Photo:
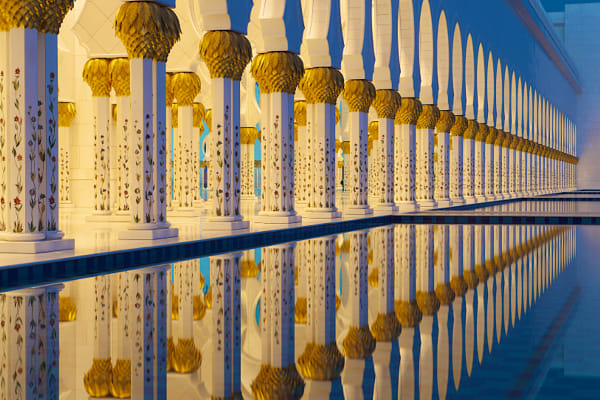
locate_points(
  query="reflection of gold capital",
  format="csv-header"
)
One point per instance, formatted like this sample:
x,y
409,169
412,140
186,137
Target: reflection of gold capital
x,y
499,137
186,86
67,311
208,119
98,379
147,29
208,298
374,277
346,147
186,357
409,111
277,72
169,89
321,362
66,113
373,130
174,306
472,129
482,133
300,310
170,353
119,72
482,273
120,386
445,293
460,126
199,113
199,308
359,94
359,343
278,383
248,136
408,313
386,103
491,137
322,85
471,278
428,117
507,140
386,327
514,142
226,53
300,112
445,123
492,267
248,268
428,302
459,285
95,74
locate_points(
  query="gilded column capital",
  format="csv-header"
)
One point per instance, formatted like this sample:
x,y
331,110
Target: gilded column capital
x,y
66,113
491,137
300,112
359,343
373,130
169,93
277,71
248,135
359,95
445,293
147,29
278,382
428,117
174,116
338,116
460,125
322,85
98,379
499,137
121,379
408,313
322,362
119,72
507,140
208,119
386,327
482,132
53,14
96,75
226,53
346,147
23,14
471,278
514,143
409,111
472,129
445,122
199,114
521,144
386,103
186,86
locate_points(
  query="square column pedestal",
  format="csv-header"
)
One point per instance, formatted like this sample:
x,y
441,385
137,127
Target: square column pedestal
x,y
148,232
34,243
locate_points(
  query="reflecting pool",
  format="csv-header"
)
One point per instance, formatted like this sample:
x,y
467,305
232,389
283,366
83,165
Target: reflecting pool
x,y
392,312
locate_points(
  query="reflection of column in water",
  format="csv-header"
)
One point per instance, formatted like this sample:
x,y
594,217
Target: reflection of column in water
x,y
428,304
482,275
278,377
321,361
446,296
358,343
472,280
386,327
492,268
407,310
226,341
459,285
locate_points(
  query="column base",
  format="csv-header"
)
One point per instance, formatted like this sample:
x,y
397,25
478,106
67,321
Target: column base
x,y
123,212
108,218
198,203
266,218
317,389
101,212
457,201
149,234
225,224
34,247
470,200
321,213
66,204
427,204
185,212
481,198
407,206
358,211
444,203
385,209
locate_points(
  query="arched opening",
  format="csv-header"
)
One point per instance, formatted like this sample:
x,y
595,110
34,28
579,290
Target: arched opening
x,y
525,131
406,46
480,84
499,95
382,43
490,89
426,54
443,62
530,115
357,61
506,101
520,108
513,103
457,71
469,77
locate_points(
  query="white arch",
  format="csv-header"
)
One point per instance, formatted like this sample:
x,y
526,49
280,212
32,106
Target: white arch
x,y
499,99
406,45
490,89
457,71
480,84
531,115
319,47
506,104
519,108
469,77
525,130
356,23
513,104
536,115
426,54
382,43
443,62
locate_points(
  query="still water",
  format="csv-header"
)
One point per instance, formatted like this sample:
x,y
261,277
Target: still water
x,y
394,312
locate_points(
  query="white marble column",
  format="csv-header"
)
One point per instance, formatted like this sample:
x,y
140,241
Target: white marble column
x,y
248,137
506,172
321,87
300,169
456,159
469,161
479,161
425,179
278,376
490,164
186,356
119,70
442,158
277,74
148,146
513,165
198,127
405,157
217,49
66,113
121,373
358,94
